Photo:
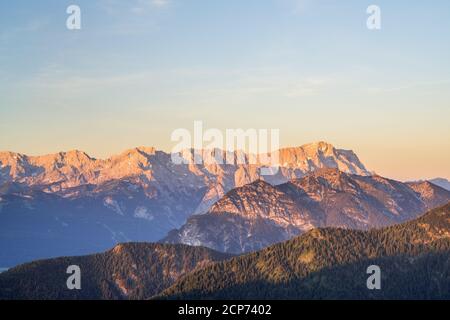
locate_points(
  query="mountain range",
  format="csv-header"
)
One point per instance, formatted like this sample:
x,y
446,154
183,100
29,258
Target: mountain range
x,y
324,263
259,214
71,204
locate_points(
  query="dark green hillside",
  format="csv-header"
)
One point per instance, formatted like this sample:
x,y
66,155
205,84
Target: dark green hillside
x,y
414,258
128,271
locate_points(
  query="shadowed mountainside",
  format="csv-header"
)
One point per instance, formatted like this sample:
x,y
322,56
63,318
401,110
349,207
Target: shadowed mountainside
x,y
128,271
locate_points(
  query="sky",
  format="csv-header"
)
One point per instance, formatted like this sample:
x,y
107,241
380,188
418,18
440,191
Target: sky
x,y
140,69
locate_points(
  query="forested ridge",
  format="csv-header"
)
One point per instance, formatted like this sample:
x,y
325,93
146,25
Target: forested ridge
x,y
128,271
414,258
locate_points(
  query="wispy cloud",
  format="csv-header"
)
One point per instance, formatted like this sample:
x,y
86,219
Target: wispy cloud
x,y
299,6
143,6
411,86
160,3
34,25
60,80
137,7
259,82
192,82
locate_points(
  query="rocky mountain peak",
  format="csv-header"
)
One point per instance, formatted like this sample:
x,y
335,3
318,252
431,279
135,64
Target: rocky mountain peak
x,y
313,156
248,199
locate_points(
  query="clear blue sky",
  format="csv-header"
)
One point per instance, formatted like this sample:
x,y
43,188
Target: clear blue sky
x,y
139,69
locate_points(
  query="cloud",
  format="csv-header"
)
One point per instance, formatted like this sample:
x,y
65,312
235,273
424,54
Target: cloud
x,y
258,82
143,6
160,3
35,25
410,86
298,6
137,7
59,80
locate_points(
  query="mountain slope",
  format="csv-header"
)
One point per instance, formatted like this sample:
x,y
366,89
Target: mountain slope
x,y
431,194
414,258
128,271
36,224
257,215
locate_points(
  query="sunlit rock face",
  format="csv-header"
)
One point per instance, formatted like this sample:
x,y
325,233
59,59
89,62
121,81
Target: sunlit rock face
x,y
155,170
